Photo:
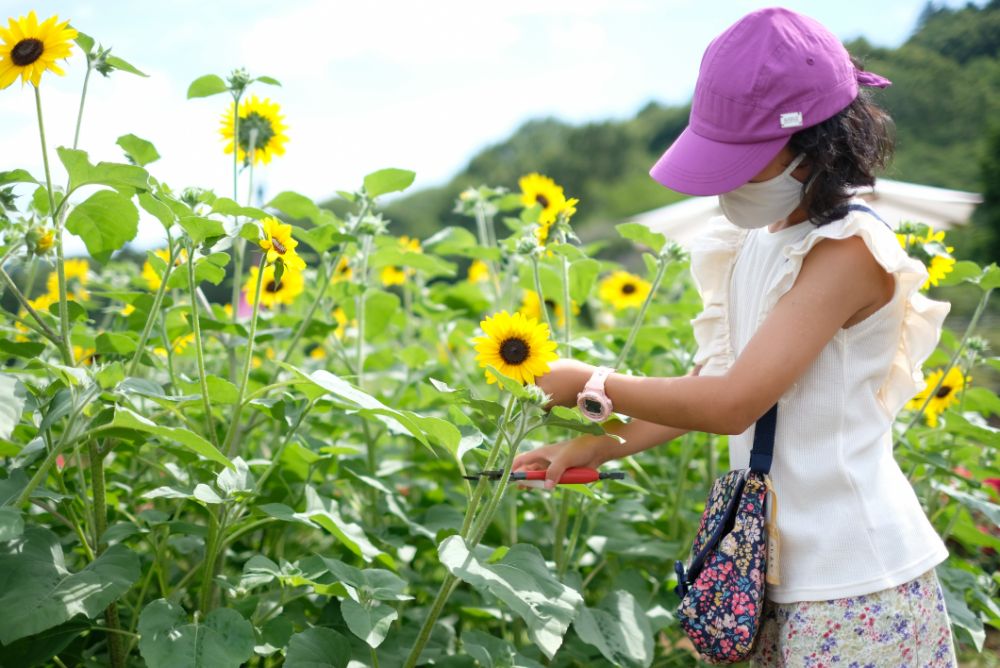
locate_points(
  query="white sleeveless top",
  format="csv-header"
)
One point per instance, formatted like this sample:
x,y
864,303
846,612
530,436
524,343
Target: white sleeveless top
x,y
848,519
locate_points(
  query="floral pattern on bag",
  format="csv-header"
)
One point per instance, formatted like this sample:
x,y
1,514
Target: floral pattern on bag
x,y
721,610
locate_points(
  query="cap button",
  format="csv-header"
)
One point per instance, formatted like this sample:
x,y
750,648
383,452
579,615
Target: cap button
x,y
810,61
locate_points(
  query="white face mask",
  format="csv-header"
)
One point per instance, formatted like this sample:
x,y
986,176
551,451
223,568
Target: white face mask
x,y
759,204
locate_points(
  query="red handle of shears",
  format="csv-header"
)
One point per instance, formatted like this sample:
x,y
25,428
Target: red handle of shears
x,y
571,476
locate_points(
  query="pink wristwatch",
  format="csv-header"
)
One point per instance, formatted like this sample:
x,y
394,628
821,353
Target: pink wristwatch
x,y
593,402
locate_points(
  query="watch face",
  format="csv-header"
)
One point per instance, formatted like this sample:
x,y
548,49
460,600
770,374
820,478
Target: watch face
x,y
592,406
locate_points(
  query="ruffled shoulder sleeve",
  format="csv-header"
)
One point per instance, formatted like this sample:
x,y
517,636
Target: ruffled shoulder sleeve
x,y
922,318
712,257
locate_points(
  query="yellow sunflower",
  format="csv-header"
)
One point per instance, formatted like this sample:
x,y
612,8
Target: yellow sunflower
x,y
30,48
84,355
341,317
77,275
946,395
291,286
394,275
263,116
343,272
939,267
479,272
531,307
278,242
151,275
541,190
42,302
515,346
624,290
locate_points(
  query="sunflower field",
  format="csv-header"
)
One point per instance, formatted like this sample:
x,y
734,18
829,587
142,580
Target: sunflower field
x,y
252,449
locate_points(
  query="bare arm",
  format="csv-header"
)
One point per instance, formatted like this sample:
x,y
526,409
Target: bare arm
x,y
839,283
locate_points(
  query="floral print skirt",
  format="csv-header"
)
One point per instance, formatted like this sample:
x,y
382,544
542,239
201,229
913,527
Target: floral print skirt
x,y
906,625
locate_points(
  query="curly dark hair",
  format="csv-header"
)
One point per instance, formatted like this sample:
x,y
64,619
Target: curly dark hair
x,y
845,151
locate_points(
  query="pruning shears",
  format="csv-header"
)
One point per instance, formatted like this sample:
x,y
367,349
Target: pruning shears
x,y
571,476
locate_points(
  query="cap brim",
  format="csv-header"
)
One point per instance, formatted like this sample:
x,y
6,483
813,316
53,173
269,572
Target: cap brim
x,y
698,166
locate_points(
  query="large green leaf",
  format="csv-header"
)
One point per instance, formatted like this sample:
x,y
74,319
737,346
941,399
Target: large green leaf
x,y
371,622
168,640
37,649
388,181
138,150
374,583
493,652
105,221
204,86
116,175
11,523
318,648
522,581
127,419
12,397
37,591
300,207
642,234
619,629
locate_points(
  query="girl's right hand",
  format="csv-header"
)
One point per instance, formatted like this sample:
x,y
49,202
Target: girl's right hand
x,y
586,450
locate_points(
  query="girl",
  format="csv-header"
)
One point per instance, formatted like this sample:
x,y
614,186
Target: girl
x,y
810,302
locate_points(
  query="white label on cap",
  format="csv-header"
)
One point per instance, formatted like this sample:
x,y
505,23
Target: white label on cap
x,y
791,120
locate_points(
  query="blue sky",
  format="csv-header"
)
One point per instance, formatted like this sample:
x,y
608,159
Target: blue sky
x,y
420,85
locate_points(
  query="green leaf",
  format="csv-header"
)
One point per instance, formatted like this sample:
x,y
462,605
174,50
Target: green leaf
x,y
641,234
158,209
296,206
326,514
954,584
451,241
168,640
388,181
984,506
85,41
962,271
37,649
235,480
35,583
371,624
138,149
113,174
380,307
16,176
219,389
396,257
270,81
990,278
493,652
619,629
207,85
200,229
318,648
105,221
11,523
228,207
12,397
582,275
127,419
322,237
375,583
123,65
523,582
113,343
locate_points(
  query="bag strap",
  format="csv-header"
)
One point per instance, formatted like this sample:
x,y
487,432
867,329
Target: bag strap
x,y
763,442
870,211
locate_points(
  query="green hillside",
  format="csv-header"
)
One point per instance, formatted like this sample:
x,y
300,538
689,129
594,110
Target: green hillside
x,y
946,92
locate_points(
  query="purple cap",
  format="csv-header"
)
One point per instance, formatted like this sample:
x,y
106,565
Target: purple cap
x,y
771,74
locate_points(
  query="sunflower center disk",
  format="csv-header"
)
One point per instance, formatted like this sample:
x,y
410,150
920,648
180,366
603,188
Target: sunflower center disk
x,y
543,200
943,392
27,51
514,351
628,289
255,123
271,286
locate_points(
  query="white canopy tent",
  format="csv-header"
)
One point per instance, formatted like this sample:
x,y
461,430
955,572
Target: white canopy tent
x,y
895,201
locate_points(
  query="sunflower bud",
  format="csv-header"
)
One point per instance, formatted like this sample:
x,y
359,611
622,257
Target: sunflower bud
x,y
528,245
977,346
239,79
673,252
537,395
40,240
371,224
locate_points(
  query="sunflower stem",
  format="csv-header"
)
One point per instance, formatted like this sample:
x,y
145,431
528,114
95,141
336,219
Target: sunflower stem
x,y
973,323
67,349
567,306
240,243
488,240
366,247
660,270
538,289
155,310
200,351
83,98
247,362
